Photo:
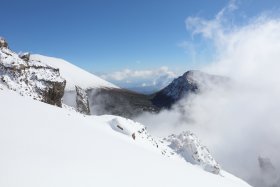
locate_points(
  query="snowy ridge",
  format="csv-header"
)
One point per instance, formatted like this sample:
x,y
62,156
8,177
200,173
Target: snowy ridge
x,y
73,74
71,149
181,85
185,145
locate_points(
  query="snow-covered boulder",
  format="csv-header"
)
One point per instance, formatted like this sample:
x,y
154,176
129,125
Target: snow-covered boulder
x,y
82,101
126,126
190,148
30,77
139,133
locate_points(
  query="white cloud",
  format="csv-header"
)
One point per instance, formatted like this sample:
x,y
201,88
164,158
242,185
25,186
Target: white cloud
x,y
140,74
156,78
241,122
211,28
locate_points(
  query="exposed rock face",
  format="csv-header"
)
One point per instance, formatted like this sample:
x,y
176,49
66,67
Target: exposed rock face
x,y
30,78
82,101
190,82
54,92
190,148
119,102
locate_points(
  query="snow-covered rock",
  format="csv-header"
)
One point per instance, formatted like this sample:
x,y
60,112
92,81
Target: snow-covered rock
x,y
82,101
190,148
139,133
73,74
185,145
30,77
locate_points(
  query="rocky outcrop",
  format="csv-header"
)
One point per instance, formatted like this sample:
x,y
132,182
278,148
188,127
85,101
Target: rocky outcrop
x,y
3,43
190,148
82,101
30,78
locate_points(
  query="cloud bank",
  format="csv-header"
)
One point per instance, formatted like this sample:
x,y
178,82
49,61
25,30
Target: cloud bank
x,y
152,79
239,122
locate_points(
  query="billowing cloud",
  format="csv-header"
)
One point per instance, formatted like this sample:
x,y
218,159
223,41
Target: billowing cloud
x,y
240,121
128,74
153,78
214,27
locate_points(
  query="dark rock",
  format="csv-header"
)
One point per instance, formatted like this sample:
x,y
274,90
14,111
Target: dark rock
x,y
54,92
133,136
82,101
3,43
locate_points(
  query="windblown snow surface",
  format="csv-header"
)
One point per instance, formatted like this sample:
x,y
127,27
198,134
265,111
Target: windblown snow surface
x,y
73,74
43,145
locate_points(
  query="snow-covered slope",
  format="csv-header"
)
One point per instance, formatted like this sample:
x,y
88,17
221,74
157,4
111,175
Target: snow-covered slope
x,y
73,74
42,145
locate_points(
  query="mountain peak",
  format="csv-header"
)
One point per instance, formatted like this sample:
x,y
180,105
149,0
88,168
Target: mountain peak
x,y
190,82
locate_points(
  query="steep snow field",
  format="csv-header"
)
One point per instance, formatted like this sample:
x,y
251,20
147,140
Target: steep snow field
x,y
73,74
42,146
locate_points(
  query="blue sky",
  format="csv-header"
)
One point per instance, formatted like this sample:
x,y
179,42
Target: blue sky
x,y
110,35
